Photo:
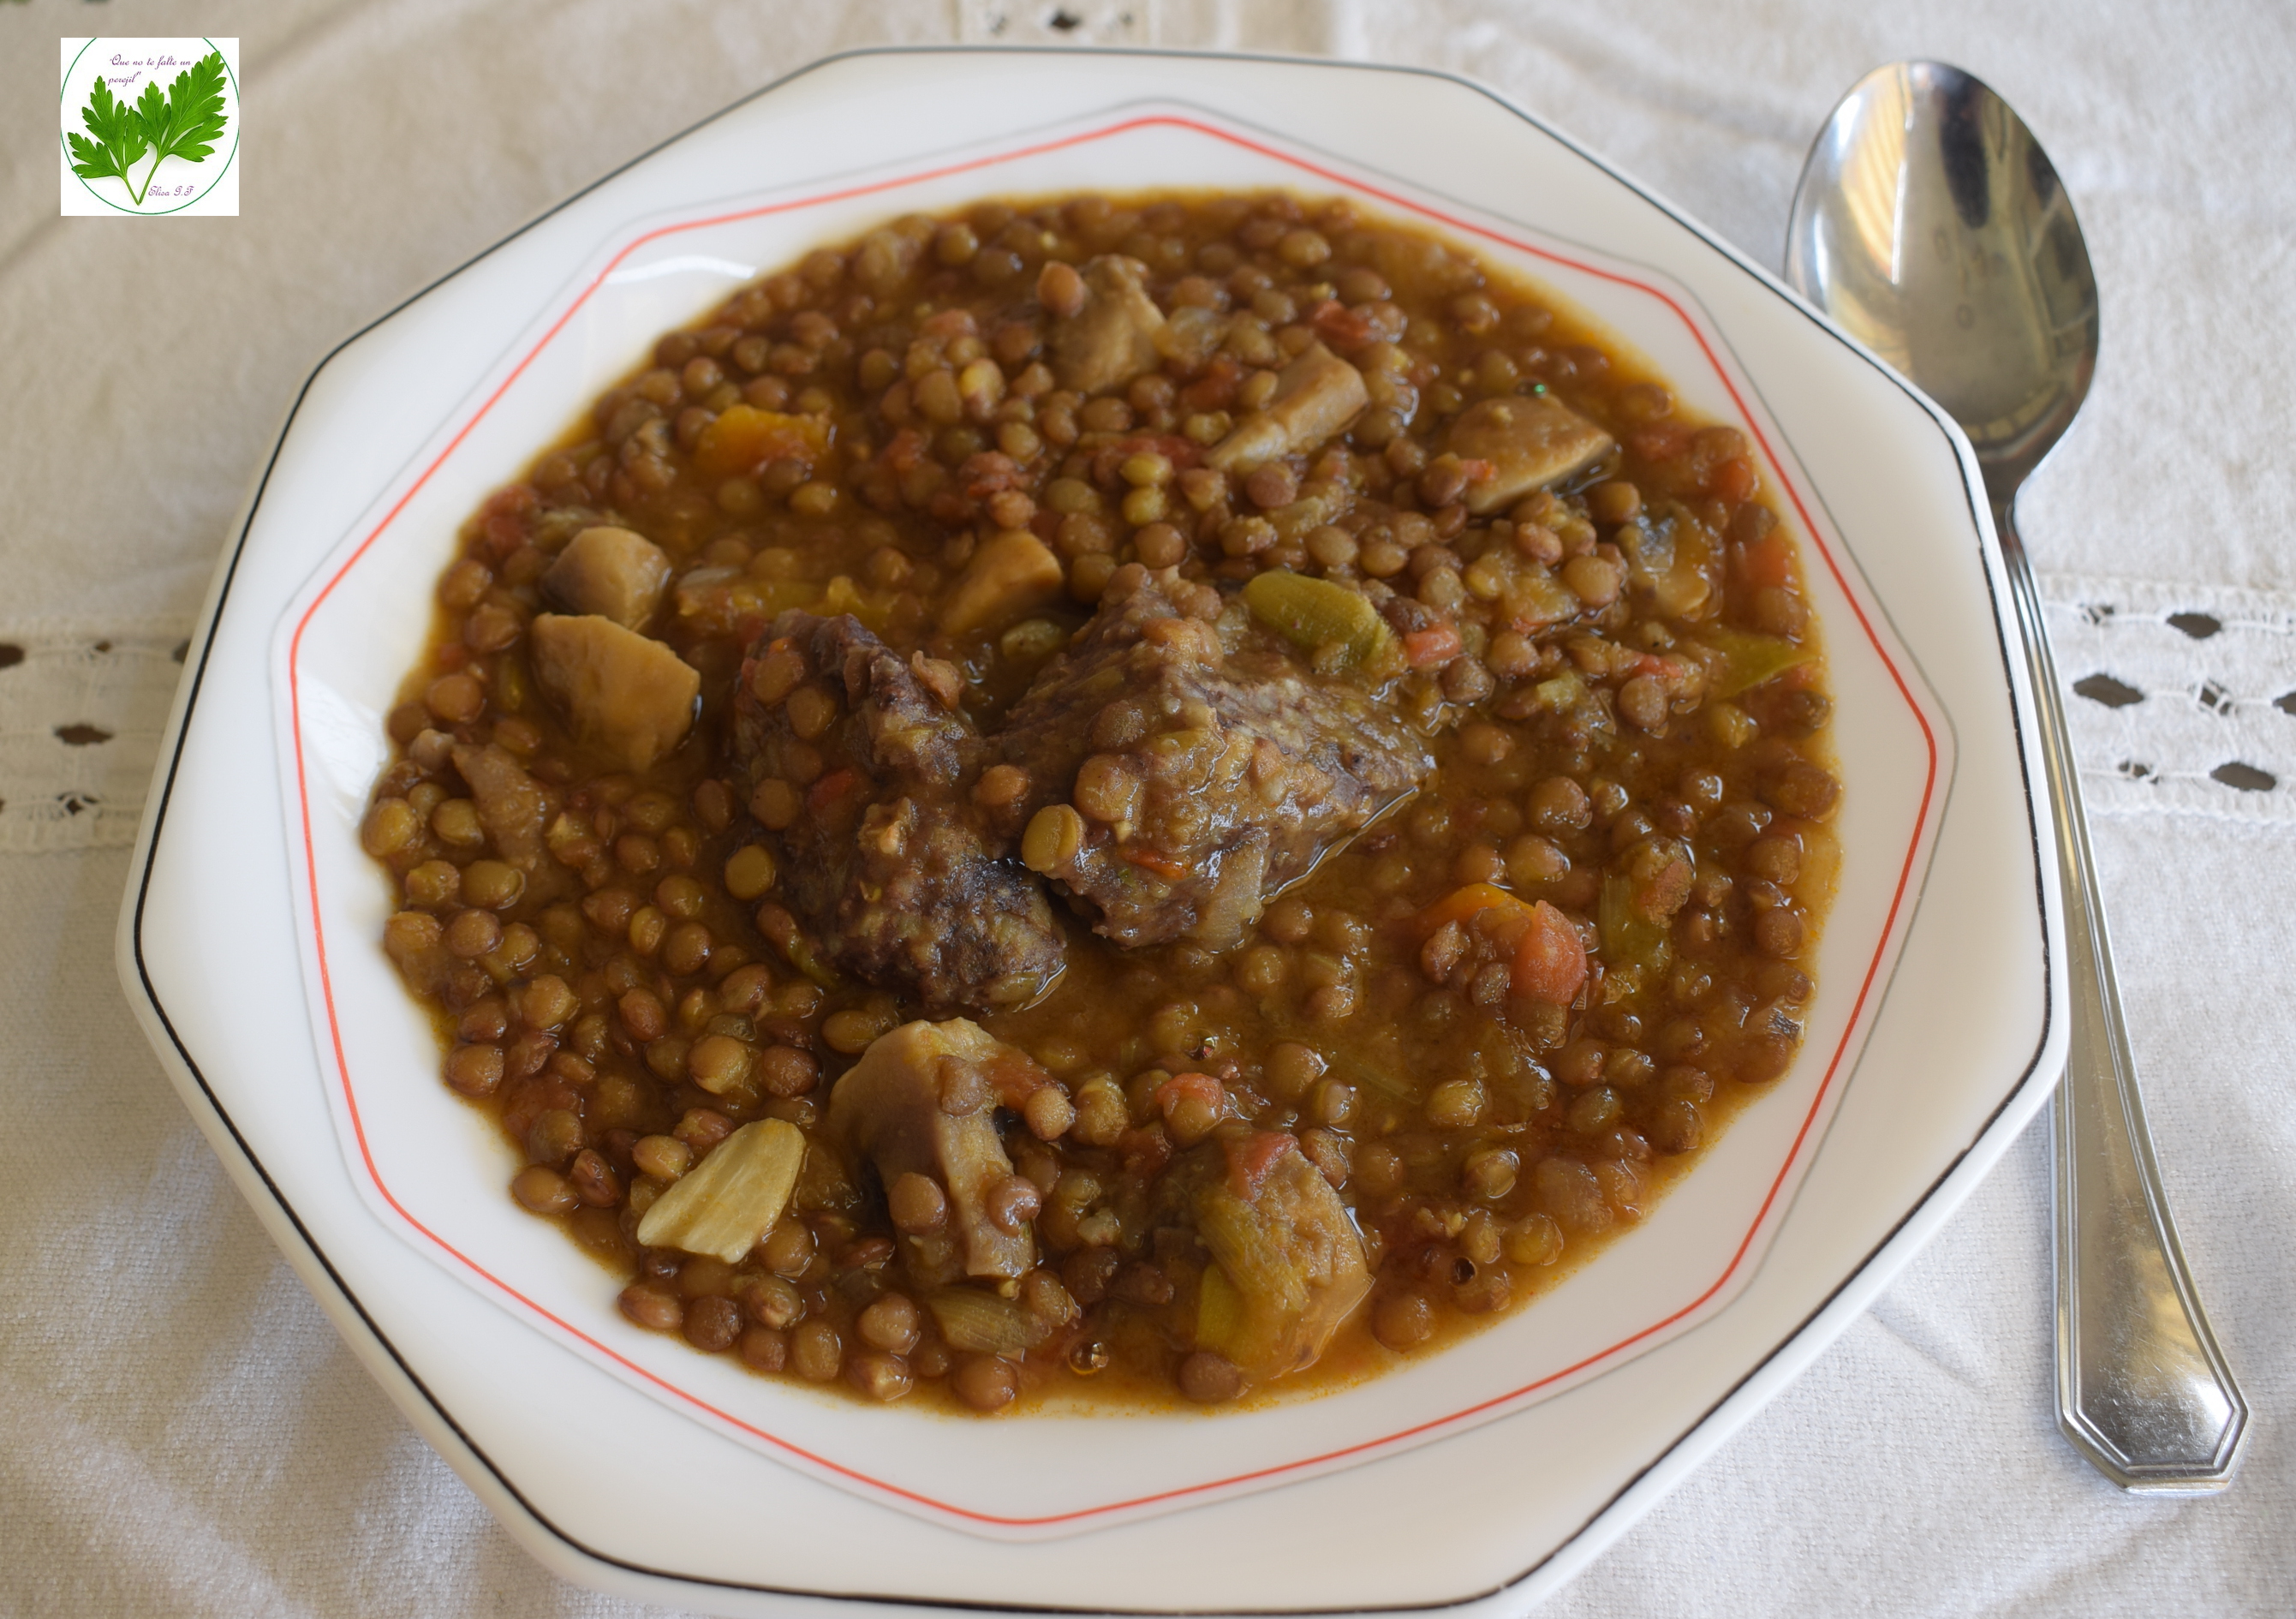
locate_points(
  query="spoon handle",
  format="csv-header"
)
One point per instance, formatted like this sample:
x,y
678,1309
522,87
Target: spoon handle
x,y
2143,1391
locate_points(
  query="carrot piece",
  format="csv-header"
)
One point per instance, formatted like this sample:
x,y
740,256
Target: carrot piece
x,y
1732,481
1144,1152
515,500
1461,904
1768,560
1202,1086
1662,442
1149,859
1429,648
1014,1076
1341,326
1550,963
1216,389
744,438
824,794
1191,1104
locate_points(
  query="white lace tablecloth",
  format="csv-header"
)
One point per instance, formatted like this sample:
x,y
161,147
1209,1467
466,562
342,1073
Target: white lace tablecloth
x,y
182,1432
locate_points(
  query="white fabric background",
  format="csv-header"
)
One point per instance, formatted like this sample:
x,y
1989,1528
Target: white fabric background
x,y
180,1431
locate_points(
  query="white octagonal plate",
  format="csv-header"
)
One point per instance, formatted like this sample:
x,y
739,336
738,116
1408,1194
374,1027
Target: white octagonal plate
x,y
1500,1463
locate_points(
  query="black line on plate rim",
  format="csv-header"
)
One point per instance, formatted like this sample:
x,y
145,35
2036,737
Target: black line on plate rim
x,y
199,673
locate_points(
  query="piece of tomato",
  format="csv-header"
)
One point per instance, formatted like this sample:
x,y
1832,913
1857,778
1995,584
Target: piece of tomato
x,y
1434,646
1550,961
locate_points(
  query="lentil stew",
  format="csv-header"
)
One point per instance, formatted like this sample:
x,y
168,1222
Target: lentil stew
x,y
1197,793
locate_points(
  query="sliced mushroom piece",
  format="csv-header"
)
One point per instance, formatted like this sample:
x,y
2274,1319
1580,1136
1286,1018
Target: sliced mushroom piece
x,y
1530,441
890,1108
1113,339
611,573
630,697
1317,396
512,805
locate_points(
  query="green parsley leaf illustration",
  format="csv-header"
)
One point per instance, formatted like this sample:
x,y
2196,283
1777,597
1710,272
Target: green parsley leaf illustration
x,y
189,121
119,142
185,122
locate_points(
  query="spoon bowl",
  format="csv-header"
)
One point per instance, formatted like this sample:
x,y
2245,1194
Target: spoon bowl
x,y
1932,227
1958,261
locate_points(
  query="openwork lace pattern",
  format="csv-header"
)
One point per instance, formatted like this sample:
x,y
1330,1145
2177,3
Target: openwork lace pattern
x,y
2180,697
81,708
1057,21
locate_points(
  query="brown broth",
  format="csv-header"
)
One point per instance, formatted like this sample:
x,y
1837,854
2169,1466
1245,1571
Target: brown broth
x,y
1437,1103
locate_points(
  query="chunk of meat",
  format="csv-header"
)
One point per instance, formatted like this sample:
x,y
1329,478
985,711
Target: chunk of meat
x,y
1010,576
1288,1265
884,857
1317,396
1176,782
512,805
1530,441
627,696
1113,339
895,1108
611,573
1192,335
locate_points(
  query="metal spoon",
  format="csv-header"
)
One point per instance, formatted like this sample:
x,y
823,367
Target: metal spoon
x,y
1930,224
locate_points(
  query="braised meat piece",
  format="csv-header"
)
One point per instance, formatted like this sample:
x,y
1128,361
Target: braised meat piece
x,y
1177,777
630,697
1010,577
865,775
1109,336
612,573
512,805
1528,444
1316,397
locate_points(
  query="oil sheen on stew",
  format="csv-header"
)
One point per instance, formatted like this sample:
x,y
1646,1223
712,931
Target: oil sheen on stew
x,y
1175,797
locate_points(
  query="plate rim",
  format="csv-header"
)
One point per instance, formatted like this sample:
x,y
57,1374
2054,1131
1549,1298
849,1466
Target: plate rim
x,y
565,1553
